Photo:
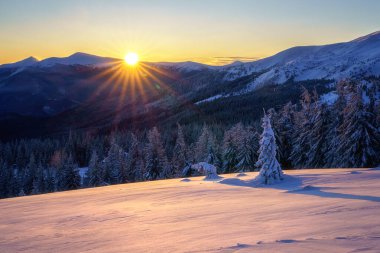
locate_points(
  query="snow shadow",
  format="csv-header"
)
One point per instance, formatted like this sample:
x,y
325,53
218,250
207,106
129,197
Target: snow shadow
x,y
318,191
296,185
288,183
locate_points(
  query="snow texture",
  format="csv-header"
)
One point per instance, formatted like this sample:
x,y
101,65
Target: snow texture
x,y
329,98
320,210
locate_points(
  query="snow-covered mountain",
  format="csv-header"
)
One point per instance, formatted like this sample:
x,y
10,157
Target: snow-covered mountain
x,y
83,85
24,63
359,57
74,59
187,66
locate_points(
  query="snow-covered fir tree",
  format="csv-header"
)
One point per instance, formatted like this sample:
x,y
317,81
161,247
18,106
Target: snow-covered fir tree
x,y
270,169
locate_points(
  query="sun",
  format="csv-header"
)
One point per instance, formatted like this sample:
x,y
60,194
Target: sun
x,y
131,59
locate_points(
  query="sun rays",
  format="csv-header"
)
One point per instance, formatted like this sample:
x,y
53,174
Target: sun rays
x,y
131,87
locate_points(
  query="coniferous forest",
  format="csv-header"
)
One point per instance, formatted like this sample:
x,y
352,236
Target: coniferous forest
x,y
311,133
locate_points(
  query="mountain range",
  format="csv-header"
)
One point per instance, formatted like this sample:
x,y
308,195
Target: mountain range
x,y
88,92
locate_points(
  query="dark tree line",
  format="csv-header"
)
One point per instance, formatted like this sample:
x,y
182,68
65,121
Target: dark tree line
x,y
309,134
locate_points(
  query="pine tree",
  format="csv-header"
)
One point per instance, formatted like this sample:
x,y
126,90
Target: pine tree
x,y
72,175
39,181
135,164
247,156
303,125
230,156
233,146
156,161
180,154
316,155
95,171
29,175
270,169
69,178
283,127
336,120
114,165
205,143
358,137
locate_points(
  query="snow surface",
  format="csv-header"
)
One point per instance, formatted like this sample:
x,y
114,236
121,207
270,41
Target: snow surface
x,y
210,99
321,210
329,98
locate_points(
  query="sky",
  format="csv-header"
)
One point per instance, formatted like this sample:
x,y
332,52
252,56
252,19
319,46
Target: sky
x,y
209,31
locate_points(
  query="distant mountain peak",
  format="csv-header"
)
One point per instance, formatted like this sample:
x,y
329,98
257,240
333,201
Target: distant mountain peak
x,y
374,35
23,63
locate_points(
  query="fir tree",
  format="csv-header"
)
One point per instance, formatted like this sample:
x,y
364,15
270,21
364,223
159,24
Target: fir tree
x,y
303,124
156,161
95,171
135,165
270,169
358,137
316,155
180,152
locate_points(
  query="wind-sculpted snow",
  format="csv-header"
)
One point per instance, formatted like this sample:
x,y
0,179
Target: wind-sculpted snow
x,y
321,210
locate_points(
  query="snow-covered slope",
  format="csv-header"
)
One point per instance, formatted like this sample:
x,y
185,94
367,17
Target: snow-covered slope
x,y
336,61
327,210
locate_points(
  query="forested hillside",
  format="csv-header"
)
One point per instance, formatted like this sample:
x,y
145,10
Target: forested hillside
x,y
341,129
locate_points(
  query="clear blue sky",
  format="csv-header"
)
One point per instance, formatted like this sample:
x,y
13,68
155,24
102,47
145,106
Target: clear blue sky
x,y
209,31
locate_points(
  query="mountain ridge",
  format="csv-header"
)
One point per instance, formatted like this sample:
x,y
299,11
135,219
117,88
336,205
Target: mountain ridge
x,y
96,94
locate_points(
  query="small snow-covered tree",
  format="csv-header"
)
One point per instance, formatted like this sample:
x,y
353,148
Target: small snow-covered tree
x,y
270,169
209,170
